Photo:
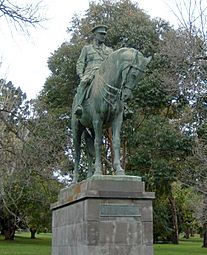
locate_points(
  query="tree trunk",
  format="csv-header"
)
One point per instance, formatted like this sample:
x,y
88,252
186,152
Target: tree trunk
x,y
205,239
192,232
175,237
187,232
108,134
205,235
9,234
9,229
205,221
124,154
33,232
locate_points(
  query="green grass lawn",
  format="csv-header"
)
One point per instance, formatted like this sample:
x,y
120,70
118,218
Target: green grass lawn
x,y
193,246
23,245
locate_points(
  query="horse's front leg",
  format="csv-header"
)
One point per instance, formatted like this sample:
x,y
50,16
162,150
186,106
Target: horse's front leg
x,y
116,129
97,125
77,133
77,160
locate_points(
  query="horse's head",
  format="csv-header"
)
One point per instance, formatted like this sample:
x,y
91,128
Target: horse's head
x,y
132,73
118,75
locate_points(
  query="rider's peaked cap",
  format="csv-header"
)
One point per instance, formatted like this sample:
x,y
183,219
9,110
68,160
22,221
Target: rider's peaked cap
x,y
100,29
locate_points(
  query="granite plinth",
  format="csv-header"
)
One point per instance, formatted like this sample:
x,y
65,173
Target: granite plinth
x,y
110,215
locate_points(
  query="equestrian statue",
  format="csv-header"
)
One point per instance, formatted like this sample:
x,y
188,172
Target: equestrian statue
x,y
107,81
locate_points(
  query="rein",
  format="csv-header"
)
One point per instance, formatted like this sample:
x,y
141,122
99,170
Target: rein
x,y
124,82
107,88
117,91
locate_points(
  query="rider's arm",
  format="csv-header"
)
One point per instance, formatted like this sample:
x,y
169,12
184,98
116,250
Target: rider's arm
x,y
81,63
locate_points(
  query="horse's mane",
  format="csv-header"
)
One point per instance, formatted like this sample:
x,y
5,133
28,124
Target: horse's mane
x,y
121,57
117,60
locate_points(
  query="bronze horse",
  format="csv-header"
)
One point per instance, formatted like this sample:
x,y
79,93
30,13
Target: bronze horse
x,y
103,107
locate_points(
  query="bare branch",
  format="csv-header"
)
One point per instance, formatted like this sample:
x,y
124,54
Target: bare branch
x,y
191,15
21,16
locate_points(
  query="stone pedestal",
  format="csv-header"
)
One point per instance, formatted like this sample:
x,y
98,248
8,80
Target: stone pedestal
x,y
104,215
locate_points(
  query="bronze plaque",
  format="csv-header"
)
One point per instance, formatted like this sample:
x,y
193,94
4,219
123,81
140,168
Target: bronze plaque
x,y
114,210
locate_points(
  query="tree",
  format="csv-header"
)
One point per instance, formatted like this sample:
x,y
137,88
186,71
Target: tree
x,y
13,133
192,19
191,15
188,204
28,163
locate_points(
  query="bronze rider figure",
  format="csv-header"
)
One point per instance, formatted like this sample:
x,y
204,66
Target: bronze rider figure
x,y
88,63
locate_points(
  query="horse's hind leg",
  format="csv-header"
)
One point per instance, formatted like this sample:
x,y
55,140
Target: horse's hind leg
x,y
89,139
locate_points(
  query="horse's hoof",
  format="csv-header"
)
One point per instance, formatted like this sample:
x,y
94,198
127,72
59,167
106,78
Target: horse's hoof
x,y
89,175
97,173
120,172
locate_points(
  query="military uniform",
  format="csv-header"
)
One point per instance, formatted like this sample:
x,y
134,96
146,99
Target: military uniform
x,y
88,63
91,58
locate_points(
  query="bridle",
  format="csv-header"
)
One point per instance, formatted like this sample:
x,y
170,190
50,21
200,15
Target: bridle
x,y
117,91
130,66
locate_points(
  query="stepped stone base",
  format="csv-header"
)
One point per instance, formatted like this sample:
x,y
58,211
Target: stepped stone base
x,y
103,215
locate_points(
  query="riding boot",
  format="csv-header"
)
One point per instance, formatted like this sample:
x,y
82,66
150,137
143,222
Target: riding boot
x,y
80,95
